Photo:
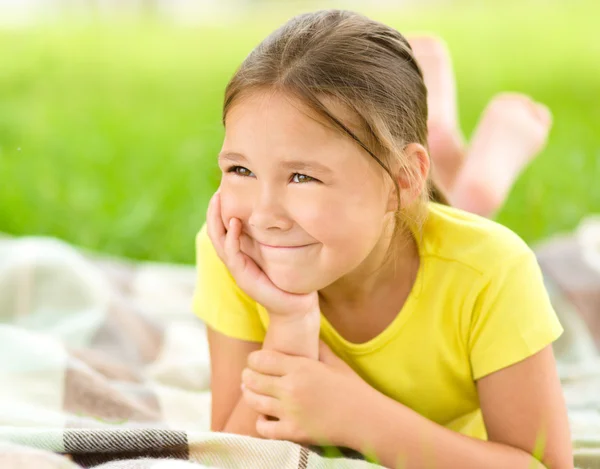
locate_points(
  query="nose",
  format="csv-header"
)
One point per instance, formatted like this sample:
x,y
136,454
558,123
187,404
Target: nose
x,y
268,212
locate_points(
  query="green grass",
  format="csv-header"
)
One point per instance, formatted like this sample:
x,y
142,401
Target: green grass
x,y
109,134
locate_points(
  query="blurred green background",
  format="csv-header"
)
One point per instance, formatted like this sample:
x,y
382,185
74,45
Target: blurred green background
x,y
109,131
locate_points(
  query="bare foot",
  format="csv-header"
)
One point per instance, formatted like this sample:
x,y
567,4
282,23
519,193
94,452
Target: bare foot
x,y
511,132
446,143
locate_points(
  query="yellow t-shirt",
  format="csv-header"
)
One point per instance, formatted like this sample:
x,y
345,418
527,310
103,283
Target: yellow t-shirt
x,y
478,305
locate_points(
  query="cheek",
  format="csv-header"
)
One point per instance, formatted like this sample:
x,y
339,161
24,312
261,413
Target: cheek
x,y
350,220
348,227
234,204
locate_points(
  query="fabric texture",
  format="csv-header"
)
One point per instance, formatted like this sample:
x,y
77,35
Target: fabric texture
x,y
103,359
478,305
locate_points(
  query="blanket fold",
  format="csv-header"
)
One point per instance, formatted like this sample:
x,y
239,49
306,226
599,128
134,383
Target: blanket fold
x,y
102,360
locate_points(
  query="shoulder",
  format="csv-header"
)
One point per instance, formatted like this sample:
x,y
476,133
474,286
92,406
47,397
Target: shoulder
x,y
474,242
202,240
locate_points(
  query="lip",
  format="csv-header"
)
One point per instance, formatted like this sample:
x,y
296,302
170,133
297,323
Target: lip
x,y
283,247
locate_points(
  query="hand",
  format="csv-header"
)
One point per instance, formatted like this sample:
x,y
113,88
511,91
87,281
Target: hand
x,y
247,274
314,401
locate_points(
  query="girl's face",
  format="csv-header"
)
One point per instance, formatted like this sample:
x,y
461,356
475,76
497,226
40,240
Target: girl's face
x,y
312,204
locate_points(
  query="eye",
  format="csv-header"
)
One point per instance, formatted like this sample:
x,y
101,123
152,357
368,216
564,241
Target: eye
x,y
302,178
296,177
239,170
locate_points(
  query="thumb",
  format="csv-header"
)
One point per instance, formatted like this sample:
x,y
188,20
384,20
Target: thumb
x,y
327,356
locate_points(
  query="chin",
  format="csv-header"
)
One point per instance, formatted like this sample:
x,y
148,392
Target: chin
x,y
293,282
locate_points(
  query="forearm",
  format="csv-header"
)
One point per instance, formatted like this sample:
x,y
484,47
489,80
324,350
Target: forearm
x,y
399,437
242,420
294,335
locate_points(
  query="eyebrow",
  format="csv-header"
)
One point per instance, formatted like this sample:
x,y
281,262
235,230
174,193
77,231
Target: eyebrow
x,y
288,164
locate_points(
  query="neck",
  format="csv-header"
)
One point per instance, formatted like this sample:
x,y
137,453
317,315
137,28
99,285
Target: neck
x,y
374,277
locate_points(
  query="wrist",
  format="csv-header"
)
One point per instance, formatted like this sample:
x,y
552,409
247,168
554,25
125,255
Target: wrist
x,y
310,317
294,334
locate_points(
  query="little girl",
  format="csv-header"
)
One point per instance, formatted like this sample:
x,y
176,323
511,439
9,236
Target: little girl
x,y
435,327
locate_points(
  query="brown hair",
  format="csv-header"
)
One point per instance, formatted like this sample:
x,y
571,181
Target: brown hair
x,y
365,65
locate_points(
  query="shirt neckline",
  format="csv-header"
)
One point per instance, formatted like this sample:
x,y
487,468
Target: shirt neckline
x,y
327,330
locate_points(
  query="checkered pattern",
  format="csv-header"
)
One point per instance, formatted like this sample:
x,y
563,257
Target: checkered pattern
x,y
103,361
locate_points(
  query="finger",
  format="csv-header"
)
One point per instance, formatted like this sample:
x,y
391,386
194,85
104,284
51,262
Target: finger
x,y
271,429
282,429
270,362
543,113
235,258
215,228
247,274
213,216
262,404
241,266
260,383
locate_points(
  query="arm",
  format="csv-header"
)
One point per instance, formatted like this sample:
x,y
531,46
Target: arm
x,y
294,335
227,360
294,318
523,410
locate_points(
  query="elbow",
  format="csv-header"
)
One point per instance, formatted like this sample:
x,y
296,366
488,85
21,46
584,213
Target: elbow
x,y
546,465
554,460
553,463
218,424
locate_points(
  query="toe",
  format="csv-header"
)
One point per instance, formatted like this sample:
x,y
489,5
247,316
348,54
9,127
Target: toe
x,y
543,114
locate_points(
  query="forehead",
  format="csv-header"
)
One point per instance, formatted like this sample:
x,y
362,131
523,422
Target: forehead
x,y
275,120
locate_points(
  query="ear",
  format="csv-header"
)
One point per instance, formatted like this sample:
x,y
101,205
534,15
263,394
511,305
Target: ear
x,y
411,179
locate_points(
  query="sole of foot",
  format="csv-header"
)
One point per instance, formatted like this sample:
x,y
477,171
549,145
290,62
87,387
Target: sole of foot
x,y
513,129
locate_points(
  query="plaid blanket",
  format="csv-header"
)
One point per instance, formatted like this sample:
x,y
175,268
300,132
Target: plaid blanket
x,y
103,365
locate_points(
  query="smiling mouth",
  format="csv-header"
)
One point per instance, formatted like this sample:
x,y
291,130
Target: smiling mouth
x,y
283,247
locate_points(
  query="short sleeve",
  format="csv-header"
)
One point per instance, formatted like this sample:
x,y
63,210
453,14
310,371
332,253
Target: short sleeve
x,y
512,318
218,301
